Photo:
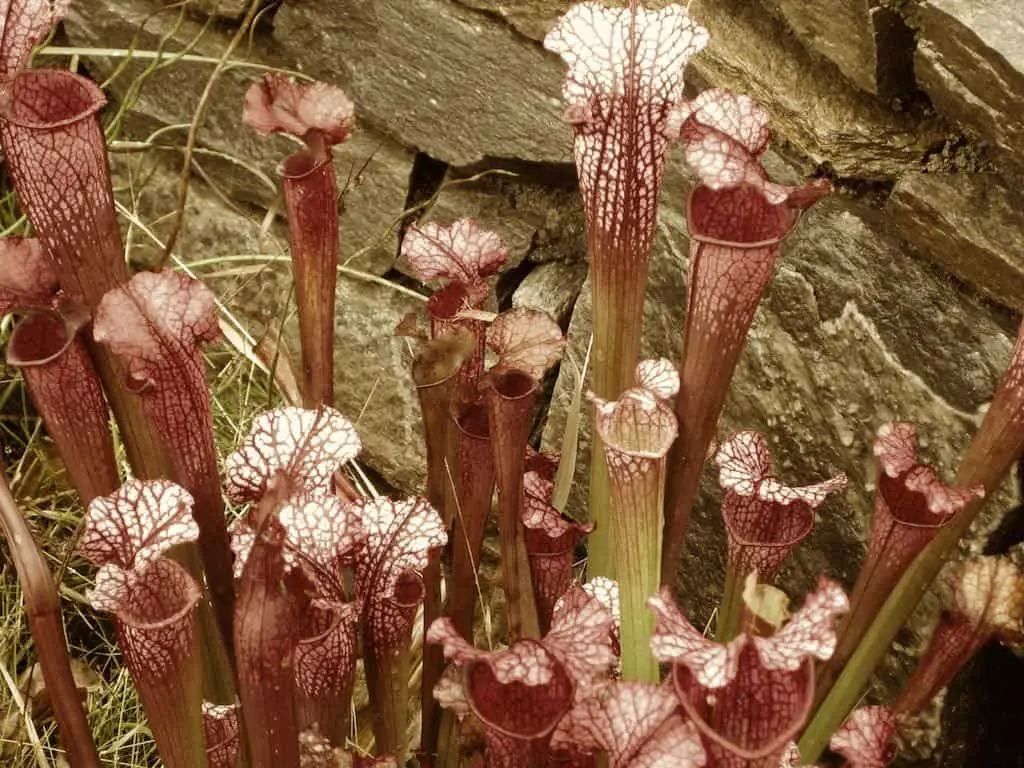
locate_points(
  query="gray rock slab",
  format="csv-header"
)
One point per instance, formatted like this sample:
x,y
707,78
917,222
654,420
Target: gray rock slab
x,y
970,61
870,46
534,18
552,287
853,332
815,108
161,104
971,224
456,83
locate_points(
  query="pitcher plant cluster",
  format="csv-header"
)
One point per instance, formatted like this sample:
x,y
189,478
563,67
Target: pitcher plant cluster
x,y
253,594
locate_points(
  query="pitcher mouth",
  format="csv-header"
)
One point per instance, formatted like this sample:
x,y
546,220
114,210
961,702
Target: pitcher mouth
x,y
70,98
765,223
39,338
775,744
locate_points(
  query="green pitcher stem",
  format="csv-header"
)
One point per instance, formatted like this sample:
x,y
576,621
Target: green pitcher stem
x,y
730,612
875,644
618,325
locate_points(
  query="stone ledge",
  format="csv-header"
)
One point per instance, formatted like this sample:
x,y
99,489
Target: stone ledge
x,y
455,83
970,61
971,224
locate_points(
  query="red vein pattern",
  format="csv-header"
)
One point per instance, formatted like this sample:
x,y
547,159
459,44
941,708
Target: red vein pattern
x,y
625,72
68,394
325,659
311,199
463,256
519,694
267,629
156,323
551,542
865,739
220,726
399,538
279,104
737,220
446,310
638,724
474,490
156,632
23,25
28,276
637,431
764,518
526,340
988,602
659,377
56,153
322,116
751,696
912,505
307,446
136,524
606,592
461,253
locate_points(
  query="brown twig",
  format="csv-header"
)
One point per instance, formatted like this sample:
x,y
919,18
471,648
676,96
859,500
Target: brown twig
x,y
42,604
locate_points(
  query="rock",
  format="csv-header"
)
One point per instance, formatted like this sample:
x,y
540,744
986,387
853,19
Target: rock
x,y
969,223
813,107
534,18
870,46
552,287
222,9
242,163
458,84
853,332
970,61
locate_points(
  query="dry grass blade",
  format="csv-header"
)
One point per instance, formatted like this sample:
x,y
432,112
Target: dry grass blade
x,y
570,438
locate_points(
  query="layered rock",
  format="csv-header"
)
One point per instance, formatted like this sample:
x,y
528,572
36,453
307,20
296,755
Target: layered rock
x,y
437,76
971,224
970,61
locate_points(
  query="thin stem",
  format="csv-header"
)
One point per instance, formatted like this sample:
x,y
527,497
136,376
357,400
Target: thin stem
x,y
638,563
434,399
510,402
387,678
618,324
876,642
471,488
42,605
311,194
730,611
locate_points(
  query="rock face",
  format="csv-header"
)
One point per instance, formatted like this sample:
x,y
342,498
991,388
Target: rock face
x,y
870,45
243,165
971,224
425,70
825,116
970,60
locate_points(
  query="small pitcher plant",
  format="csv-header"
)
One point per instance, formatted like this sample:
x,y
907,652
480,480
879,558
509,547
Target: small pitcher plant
x,y
257,597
